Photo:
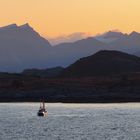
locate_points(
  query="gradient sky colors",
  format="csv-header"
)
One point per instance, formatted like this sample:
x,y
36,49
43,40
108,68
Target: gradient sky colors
x,y
57,17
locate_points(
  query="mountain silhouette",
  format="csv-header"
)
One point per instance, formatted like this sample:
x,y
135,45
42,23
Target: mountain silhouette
x,y
21,47
129,43
109,36
67,53
50,72
104,63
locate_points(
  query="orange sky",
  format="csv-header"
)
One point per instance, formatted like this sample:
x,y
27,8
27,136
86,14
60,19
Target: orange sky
x,y
57,17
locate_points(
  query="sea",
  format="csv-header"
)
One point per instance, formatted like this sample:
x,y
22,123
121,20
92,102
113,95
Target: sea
x,y
19,121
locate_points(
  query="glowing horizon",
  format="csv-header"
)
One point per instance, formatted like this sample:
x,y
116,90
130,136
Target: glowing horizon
x,y
53,18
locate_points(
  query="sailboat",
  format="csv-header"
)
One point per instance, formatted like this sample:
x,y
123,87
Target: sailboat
x,y
42,110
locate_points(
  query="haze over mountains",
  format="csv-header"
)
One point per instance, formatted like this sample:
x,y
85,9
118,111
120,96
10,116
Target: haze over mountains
x,y
110,36
21,47
68,38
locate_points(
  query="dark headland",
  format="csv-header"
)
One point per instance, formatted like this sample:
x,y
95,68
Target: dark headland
x,y
105,77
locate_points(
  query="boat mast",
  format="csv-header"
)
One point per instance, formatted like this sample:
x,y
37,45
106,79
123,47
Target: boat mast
x,y
43,105
40,104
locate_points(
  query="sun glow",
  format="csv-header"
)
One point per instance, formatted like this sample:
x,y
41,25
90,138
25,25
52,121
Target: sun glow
x,y
56,17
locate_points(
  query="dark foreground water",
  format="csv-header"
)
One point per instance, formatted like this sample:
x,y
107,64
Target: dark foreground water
x,y
70,122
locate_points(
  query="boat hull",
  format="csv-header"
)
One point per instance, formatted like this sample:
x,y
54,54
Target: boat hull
x,y
42,114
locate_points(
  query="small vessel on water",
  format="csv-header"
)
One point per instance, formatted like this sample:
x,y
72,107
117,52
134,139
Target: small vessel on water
x,y
42,110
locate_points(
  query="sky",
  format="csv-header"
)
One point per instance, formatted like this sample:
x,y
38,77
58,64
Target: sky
x,y
53,18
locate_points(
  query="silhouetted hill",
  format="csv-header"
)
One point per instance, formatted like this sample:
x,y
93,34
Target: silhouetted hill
x,y
104,63
50,72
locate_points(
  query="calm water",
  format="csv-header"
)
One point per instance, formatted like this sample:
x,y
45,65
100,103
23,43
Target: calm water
x,y
70,122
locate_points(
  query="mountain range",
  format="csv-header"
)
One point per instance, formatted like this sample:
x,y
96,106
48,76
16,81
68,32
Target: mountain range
x,y
21,47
